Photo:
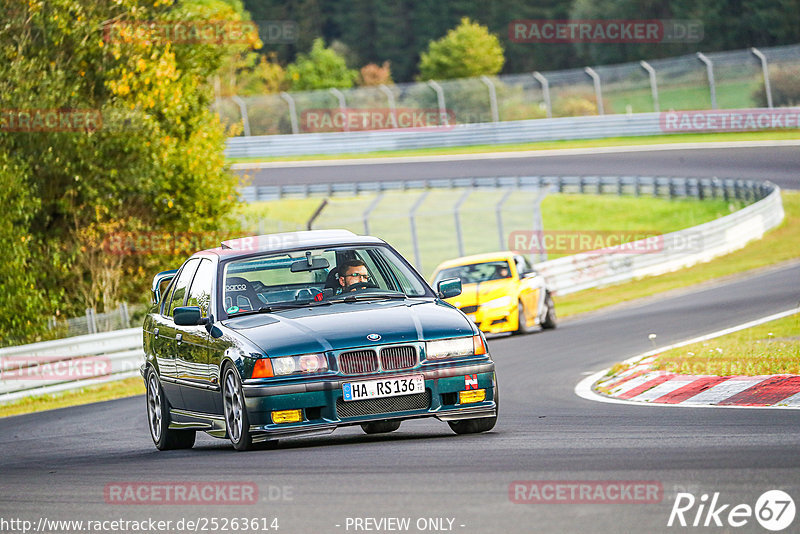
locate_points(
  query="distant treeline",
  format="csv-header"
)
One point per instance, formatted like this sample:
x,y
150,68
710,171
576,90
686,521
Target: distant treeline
x,y
399,30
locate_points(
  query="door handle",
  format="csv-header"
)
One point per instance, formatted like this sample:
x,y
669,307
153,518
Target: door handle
x,y
179,338
155,333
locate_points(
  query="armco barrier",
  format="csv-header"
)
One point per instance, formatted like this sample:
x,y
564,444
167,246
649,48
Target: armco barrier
x,y
123,348
510,132
525,131
677,250
120,353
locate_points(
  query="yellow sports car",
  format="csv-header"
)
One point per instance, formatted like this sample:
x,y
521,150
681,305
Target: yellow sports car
x,y
501,292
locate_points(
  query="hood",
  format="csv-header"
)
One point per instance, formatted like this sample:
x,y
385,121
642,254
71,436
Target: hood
x,y
346,325
474,294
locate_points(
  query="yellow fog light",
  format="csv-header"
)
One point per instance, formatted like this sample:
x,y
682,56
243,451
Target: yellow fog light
x,y
475,395
287,416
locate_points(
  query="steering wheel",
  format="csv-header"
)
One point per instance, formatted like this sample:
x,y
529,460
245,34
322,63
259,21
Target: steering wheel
x,y
360,286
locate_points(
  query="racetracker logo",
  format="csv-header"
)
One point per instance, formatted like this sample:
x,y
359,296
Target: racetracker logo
x,y
55,368
774,510
575,242
605,31
161,493
50,120
730,121
361,119
585,492
205,32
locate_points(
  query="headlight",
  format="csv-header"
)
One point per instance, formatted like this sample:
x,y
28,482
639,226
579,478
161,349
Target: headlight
x,y
502,302
300,365
454,348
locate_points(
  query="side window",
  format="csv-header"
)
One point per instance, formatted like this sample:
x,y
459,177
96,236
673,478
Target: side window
x,y
184,277
200,292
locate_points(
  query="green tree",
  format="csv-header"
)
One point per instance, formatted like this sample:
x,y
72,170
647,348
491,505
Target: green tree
x,y
466,51
321,68
151,160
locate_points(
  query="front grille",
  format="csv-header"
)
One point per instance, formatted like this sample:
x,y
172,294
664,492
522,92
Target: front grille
x,y
469,309
358,361
417,401
403,357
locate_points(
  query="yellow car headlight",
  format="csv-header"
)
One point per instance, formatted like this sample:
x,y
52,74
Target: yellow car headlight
x,y
502,302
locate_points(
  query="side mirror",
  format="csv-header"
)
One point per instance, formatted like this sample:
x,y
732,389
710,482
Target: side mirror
x,y
449,288
188,316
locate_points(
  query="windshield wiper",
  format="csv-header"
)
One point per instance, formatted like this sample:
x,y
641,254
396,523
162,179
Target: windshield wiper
x,y
371,296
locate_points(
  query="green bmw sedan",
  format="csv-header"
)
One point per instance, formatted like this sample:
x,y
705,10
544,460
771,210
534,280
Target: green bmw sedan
x,y
301,333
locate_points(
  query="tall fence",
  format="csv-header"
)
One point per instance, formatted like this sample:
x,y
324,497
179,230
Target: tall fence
x,y
430,221
93,322
76,362
738,79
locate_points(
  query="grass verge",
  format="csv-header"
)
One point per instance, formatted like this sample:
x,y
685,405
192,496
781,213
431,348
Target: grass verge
x,y
771,135
769,349
101,392
777,246
436,226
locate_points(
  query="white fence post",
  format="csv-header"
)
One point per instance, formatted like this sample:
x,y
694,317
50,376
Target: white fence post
x,y
712,86
545,92
765,70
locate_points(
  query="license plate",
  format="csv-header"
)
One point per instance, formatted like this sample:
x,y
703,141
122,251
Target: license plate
x,y
383,387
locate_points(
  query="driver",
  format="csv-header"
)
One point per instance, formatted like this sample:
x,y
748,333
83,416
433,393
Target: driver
x,y
355,272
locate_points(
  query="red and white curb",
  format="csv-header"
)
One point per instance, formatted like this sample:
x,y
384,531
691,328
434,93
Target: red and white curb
x,y
641,385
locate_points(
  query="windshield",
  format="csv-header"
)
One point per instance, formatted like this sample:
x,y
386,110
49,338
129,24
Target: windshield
x,y
317,276
474,273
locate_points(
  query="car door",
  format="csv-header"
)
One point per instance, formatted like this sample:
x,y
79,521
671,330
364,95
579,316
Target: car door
x,y
169,334
197,379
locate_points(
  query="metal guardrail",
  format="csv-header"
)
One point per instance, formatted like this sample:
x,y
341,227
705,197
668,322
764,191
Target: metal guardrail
x,y
68,364
657,186
523,131
673,251
509,132
122,353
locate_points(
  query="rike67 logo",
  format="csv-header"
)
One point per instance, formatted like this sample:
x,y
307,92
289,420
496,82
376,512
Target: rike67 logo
x,y
774,510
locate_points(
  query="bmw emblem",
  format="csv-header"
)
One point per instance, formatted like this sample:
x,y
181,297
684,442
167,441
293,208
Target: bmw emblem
x,y
374,337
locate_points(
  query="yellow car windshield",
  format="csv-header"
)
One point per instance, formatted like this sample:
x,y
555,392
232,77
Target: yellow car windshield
x,y
476,272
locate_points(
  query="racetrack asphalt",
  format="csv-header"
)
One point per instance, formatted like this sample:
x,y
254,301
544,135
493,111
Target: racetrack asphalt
x,y
56,464
778,164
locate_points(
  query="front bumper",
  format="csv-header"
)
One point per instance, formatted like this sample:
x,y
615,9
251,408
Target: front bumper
x,y
495,320
322,404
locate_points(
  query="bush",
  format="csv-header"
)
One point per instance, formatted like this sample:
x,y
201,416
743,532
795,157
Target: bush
x,y
785,85
466,51
321,68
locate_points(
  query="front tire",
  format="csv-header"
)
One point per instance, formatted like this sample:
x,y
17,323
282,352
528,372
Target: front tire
x,y
380,427
550,317
158,419
236,420
522,327
475,426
